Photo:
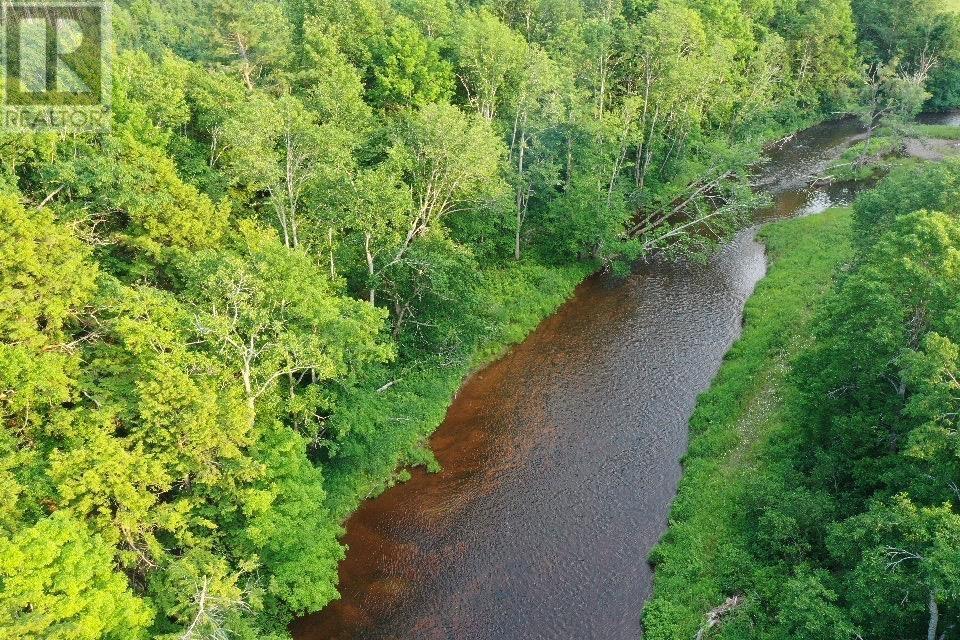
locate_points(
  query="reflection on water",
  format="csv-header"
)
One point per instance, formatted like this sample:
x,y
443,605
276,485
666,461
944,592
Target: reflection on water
x,y
950,118
561,460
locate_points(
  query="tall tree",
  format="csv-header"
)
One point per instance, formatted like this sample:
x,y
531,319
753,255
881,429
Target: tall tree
x,y
408,71
489,59
274,319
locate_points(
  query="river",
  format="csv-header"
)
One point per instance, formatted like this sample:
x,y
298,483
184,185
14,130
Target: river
x,y
561,460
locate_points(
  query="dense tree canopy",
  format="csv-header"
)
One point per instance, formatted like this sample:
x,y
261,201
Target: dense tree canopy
x,y
237,313
922,37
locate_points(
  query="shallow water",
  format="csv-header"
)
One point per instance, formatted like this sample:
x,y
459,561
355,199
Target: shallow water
x,y
562,459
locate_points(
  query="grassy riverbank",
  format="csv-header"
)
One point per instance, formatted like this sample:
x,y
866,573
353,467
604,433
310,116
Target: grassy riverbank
x,y
735,420
390,429
891,149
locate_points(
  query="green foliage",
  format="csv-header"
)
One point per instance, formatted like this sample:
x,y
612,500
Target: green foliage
x,y
872,158
313,217
842,511
489,57
705,556
252,39
57,582
409,71
933,187
921,36
302,568
330,86
822,35
45,272
272,318
935,131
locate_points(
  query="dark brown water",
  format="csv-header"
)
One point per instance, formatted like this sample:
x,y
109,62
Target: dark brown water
x,y
562,459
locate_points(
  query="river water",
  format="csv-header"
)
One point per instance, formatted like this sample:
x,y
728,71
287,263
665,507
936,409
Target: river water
x,y
561,460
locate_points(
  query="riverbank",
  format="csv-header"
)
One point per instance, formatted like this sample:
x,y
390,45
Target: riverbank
x,y
517,427
398,420
734,421
872,159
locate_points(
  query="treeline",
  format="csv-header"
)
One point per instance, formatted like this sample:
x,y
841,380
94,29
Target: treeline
x,y
236,314
878,396
913,38
847,524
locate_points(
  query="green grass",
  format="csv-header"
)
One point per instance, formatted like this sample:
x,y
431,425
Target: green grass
x,y
934,131
868,159
736,418
885,151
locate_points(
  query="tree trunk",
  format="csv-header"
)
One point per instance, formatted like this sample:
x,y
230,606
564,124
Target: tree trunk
x,y
246,375
282,217
520,197
370,271
648,156
934,616
400,313
246,66
641,148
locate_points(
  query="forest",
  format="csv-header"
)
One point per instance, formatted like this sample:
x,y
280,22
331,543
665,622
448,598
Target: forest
x,y
242,310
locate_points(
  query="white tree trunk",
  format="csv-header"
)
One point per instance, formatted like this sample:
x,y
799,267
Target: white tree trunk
x,y
934,616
